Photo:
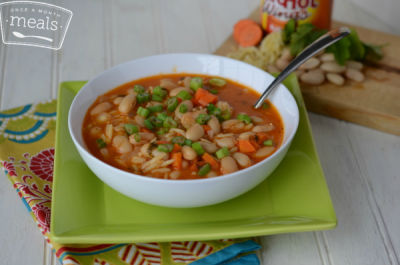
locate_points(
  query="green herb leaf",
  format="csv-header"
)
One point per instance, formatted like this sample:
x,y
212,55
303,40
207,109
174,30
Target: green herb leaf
x,y
289,29
373,53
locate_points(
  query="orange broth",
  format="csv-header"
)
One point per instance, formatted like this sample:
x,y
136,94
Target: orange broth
x,y
240,97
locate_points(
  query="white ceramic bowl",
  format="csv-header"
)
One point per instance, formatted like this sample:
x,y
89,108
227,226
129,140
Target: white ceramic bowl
x,y
183,193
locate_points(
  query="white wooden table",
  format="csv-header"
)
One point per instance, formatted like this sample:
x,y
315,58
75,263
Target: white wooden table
x,y
362,166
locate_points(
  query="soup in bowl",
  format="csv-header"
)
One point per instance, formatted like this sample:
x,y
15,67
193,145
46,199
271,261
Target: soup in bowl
x,y
180,130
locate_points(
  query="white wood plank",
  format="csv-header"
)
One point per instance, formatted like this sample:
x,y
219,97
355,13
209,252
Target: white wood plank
x,y
85,53
386,11
349,12
290,248
356,240
82,56
183,28
26,77
377,157
21,242
129,40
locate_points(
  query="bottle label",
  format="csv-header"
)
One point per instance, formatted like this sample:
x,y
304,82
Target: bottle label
x,y
275,13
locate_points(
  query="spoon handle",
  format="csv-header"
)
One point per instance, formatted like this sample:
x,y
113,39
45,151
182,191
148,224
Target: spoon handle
x,y
321,43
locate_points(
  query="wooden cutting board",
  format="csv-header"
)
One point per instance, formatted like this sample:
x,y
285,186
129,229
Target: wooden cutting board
x,y
374,103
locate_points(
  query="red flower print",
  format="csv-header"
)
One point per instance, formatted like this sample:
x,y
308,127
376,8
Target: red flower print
x,y
42,214
10,168
42,164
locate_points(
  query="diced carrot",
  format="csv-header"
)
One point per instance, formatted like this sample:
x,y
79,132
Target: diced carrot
x,y
245,146
254,143
203,97
145,130
193,167
177,148
177,157
261,137
206,128
211,160
239,26
162,142
249,35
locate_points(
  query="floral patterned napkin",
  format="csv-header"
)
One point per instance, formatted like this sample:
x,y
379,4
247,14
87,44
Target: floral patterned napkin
x,y
27,136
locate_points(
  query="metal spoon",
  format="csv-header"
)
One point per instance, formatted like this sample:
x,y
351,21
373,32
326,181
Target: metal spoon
x,y
321,43
22,36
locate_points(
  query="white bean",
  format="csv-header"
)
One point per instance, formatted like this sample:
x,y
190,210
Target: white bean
x,y
232,125
188,153
333,67
103,117
354,65
327,57
109,131
95,131
264,151
214,125
310,64
211,174
228,142
272,69
195,132
145,150
354,75
242,159
189,106
264,128
157,153
256,119
313,77
335,79
167,83
186,81
139,120
246,135
209,147
228,165
286,54
188,120
127,103
299,72
281,63
175,91
117,100
143,137
104,152
102,107
121,143
174,174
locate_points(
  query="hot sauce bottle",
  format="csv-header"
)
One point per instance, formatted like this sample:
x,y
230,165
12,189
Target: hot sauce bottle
x,y
276,13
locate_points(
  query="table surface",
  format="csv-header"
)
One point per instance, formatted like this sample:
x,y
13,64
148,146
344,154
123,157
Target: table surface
x,y
361,165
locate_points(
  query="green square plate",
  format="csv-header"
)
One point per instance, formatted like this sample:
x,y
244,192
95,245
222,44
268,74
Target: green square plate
x,y
85,210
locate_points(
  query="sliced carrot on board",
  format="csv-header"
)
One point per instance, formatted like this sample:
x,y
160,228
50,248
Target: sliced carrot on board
x,y
245,146
177,157
211,160
240,25
203,97
250,35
